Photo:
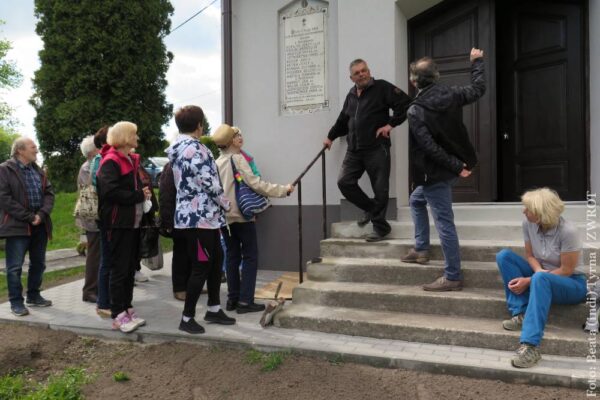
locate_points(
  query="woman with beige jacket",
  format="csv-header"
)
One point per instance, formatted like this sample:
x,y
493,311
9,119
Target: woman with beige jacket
x,y
240,235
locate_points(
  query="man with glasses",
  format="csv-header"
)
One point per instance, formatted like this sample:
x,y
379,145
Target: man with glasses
x,y
365,120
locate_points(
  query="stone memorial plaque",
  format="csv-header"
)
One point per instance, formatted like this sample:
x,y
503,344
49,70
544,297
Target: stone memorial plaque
x,y
303,60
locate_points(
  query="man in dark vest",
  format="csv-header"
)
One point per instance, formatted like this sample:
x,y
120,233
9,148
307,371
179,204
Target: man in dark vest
x,y
365,119
440,152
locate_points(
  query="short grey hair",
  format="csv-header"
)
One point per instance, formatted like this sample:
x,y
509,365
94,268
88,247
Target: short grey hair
x,y
18,144
356,62
87,145
424,72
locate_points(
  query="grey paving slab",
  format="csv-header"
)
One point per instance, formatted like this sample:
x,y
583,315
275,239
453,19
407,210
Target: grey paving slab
x,y
155,303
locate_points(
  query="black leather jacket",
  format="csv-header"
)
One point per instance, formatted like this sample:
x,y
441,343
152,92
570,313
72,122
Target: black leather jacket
x,y
439,141
362,116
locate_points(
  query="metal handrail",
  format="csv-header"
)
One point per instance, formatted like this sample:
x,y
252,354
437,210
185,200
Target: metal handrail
x,y
298,184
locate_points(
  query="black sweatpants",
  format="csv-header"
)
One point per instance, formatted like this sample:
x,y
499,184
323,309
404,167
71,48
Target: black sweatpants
x,y
376,162
123,245
205,258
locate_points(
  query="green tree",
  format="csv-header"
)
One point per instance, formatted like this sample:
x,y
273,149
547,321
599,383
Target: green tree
x,y
10,77
102,62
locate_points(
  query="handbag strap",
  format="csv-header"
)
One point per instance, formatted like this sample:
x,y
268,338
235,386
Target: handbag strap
x,y
235,171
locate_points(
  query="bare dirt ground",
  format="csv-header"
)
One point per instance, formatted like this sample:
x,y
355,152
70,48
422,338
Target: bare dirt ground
x,y
187,371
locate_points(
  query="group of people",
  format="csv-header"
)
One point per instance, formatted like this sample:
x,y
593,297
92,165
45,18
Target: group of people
x,y
440,154
198,207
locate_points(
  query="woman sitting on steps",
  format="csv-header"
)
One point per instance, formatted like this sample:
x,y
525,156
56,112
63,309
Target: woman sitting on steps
x,y
550,273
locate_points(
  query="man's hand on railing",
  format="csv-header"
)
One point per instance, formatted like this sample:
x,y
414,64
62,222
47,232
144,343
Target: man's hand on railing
x,y
290,189
327,143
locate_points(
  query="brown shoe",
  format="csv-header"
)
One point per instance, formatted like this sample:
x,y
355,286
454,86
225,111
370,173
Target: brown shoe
x,y
103,312
414,256
179,295
442,284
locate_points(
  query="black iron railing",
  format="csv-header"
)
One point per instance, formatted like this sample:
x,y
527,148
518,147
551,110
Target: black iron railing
x,y
298,184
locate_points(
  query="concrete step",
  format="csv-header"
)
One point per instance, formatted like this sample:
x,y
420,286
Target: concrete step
x,y
574,212
469,230
426,328
470,302
470,250
395,272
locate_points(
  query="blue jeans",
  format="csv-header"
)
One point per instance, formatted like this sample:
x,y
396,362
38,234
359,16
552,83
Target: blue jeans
x,y
16,247
103,300
545,289
242,247
439,198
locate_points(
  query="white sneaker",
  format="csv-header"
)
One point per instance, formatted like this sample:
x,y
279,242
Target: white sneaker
x,y
124,323
134,317
140,277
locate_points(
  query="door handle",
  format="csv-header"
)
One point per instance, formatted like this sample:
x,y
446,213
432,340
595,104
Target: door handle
x,y
505,136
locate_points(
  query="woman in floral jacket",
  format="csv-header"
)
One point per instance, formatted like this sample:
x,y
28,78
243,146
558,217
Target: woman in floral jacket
x,y
199,214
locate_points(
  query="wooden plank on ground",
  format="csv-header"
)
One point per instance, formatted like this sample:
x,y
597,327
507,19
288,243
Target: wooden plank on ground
x,y
289,281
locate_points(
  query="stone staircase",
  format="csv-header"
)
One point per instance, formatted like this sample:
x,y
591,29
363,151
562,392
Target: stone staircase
x,y
363,289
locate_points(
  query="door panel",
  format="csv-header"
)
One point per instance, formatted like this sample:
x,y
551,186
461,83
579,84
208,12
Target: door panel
x,y
447,32
541,93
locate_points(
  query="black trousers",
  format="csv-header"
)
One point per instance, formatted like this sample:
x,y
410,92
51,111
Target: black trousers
x,y
205,258
180,267
376,162
123,247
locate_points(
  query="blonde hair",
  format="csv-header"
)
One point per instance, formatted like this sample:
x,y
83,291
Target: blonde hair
x,y
121,134
545,205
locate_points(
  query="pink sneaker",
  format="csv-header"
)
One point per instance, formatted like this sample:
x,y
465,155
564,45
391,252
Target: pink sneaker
x,y
124,323
134,317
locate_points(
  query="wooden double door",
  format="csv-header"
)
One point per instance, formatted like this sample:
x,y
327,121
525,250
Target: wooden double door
x,y
530,127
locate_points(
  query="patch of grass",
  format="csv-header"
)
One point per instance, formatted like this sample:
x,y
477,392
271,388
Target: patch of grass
x,y
273,360
49,279
254,357
65,235
120,376
64,386
13,387
338,359
269,361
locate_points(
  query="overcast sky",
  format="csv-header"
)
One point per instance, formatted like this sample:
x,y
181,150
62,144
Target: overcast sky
x,y
194,76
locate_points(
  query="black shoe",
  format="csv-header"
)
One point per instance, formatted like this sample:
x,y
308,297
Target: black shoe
x,y
364,220
376,237
231,305
19,310
219,317
90,299
191,327
38,302
252,307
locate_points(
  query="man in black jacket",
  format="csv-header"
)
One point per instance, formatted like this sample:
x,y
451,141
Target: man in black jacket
x,y
440,152
26,201
365,120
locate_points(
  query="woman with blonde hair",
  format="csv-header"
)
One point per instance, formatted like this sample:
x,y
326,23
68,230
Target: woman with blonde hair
x,y
121,200
550,273
240,236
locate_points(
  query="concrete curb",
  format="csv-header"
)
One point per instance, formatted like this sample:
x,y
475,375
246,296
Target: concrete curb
x,y
410,362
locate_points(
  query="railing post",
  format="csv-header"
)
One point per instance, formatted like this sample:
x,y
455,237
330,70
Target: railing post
x,y
324,185
300,268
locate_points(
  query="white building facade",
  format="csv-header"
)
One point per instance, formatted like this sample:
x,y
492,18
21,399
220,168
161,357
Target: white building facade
x,y
528,61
